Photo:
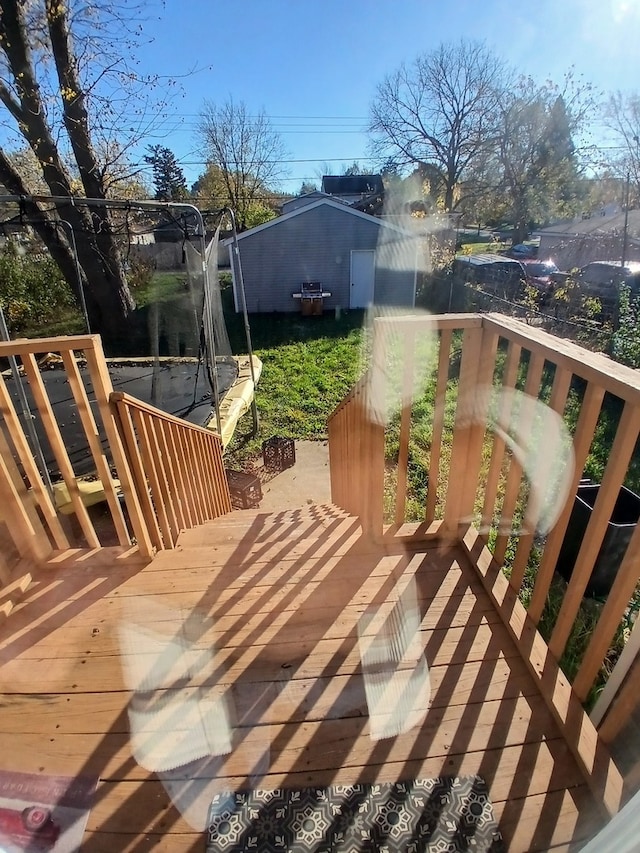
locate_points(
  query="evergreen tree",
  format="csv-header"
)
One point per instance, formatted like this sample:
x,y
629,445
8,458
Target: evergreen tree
x,y
168,177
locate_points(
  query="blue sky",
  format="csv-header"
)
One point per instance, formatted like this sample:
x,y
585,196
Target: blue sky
x,y
313,66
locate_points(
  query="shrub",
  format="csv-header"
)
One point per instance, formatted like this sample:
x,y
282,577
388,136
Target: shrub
x,y
626,339
32,290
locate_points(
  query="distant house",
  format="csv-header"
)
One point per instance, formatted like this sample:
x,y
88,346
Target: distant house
x,y
302,200
599,237
353,256
364,192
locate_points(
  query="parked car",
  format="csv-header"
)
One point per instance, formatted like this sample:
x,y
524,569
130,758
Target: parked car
x,y
603,280
32,828
522,251
493,274
604,275
542,275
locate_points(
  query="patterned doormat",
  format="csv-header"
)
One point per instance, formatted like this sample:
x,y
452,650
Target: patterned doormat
x,y
447,815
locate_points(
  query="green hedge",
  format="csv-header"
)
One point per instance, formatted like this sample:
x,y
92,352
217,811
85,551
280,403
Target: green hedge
x,y
33,291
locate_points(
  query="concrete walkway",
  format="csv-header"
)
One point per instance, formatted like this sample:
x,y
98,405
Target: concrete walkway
x,y
307,482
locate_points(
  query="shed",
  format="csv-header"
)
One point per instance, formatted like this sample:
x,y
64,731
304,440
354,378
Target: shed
x,y
356,258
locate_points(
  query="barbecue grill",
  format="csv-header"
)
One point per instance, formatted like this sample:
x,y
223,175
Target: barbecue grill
x,y
311,297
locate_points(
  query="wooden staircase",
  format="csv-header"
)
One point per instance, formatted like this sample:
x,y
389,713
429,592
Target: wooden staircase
x,y
274,602
310,522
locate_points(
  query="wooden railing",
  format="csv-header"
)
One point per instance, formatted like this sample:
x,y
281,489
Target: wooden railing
x,y
177,468
462,413
168,473
356,448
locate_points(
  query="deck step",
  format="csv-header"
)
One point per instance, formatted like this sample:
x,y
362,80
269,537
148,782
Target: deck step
x,y
310,510
310,522
15,587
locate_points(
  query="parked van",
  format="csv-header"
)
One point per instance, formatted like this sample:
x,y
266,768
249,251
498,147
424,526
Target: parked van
x,y
494,274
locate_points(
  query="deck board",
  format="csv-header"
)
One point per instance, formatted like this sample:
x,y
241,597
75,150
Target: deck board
x,y
274,625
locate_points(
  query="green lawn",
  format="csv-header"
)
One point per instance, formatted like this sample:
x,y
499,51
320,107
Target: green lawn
x,y
163,287
309,364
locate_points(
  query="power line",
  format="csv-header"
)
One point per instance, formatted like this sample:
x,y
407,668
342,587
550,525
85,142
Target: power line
x,y
275,162
285,117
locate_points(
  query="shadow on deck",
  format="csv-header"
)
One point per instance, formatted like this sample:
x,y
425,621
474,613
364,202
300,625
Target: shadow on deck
x,y
268,608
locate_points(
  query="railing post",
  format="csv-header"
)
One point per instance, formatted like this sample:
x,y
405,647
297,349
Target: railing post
x,y
24,526
25,455
626,662
372,467
103,388
127,430
442,378
621,451
479,347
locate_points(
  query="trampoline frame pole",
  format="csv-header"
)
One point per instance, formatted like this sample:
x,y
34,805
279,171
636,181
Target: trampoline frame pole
x,y
83,301
24,406
209,339
245,314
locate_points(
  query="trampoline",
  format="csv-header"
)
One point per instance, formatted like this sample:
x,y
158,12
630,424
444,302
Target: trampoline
x,y
181,388
196,378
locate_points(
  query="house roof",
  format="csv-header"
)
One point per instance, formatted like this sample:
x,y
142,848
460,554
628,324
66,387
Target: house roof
x,y
309,197
352,184
323,202
595,225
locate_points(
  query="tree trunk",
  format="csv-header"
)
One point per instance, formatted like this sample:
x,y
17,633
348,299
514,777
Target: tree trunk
x,y
520,231
448,198
520,228
108,298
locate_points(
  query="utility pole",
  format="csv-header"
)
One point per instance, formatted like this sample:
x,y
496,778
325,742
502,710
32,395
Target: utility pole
x,y
625,239
626,222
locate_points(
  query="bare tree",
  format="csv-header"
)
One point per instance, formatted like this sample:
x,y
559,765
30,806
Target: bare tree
x,y
439,113
622,115
65,86
246,150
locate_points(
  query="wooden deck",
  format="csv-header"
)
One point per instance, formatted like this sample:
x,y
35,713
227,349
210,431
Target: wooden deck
x,y
274,603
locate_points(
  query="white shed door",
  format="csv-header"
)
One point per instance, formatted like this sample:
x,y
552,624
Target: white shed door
x,y
363,270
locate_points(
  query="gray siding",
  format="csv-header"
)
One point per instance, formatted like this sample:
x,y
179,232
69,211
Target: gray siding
x,y
395,270
316,245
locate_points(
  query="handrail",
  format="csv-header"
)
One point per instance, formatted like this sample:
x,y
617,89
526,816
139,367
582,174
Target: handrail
x,y
352,394
616,378
68,343
177,468
37,537
474,476
181,465
142,406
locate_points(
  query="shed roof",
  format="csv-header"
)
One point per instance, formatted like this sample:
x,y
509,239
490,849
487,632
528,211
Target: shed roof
x,y
323,202
309,198
483,258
